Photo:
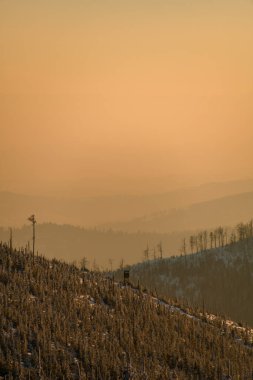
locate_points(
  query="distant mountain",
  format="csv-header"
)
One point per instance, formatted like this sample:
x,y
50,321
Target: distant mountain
x,y
88,212
58,322
225,211
101,248
220,280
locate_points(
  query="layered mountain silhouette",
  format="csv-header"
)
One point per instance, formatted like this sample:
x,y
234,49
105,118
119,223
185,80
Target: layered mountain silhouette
x,y
153,211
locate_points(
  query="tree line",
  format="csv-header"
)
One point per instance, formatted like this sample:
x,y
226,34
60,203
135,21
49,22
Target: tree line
x,y
217,238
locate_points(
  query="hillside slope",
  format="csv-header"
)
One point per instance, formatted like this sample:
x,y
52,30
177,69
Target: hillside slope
x,y
60,323
220,278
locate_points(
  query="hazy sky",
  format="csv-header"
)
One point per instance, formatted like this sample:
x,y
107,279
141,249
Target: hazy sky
x,y
106,92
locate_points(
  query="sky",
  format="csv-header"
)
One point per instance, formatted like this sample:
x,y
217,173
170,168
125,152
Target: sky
x,y
106,97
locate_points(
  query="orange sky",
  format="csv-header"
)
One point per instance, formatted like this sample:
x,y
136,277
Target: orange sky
x,y
97,90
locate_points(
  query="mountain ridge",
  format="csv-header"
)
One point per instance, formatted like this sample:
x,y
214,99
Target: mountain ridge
x,y
94,211
226,211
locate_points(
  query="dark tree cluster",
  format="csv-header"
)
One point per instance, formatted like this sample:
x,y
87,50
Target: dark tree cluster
x,y
58,322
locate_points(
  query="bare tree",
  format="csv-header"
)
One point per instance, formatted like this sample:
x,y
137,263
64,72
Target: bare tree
x,y
205,238
146,253
160,249
183,248
192,243
211,235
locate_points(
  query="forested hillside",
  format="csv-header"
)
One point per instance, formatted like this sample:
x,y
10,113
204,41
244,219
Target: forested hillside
x,y
58,322
218,273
